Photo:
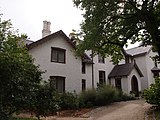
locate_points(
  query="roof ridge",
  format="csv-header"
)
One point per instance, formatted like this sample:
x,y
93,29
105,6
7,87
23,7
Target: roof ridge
x,y
133,48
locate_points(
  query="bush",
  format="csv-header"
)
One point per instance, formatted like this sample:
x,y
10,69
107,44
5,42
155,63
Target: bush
x,y
87,98
69,101
152,94
105,95
45,101
123,96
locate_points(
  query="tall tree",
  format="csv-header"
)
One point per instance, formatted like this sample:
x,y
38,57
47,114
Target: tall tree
x,y
19,77
109,24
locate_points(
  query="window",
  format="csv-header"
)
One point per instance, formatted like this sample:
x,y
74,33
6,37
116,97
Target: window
x,y
57,55
83,84
156,74
58,82
101,59
83,68
118,83
102,77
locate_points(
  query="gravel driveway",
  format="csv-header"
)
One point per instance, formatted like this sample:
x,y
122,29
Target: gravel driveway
x,y
130,110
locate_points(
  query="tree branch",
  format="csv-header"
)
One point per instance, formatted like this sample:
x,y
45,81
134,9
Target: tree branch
x,y
133,4
152,4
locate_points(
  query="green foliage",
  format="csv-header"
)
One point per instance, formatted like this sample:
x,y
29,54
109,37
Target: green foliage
x,y
157,114
87,98
105,95
108,25
124,97
19,76
152,94
69,101
45,100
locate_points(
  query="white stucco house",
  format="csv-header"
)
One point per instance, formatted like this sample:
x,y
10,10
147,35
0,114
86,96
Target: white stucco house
x,y
55,53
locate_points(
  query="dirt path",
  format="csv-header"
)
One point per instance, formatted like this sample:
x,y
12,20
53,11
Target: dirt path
x,y
130,110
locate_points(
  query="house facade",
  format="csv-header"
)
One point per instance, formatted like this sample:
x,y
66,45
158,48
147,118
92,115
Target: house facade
x,y
144,59
55,54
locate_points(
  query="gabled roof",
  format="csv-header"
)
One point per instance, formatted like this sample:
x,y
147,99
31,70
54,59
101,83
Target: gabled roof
x,y
139,51
85,57
124,70
50,37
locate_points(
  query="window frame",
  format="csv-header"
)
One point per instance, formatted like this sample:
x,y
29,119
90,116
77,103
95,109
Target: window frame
x,y
53,81
102,81
83,84
83,68
58,50
118,83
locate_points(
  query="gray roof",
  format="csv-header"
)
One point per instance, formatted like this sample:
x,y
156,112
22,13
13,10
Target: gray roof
x,y
27,42
124,70
155,69
139,50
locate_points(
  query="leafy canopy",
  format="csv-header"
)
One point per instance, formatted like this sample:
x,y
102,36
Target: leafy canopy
x,y
109,24
19,77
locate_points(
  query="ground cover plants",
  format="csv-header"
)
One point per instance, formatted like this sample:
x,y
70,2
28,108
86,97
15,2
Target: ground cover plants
x,y
68,101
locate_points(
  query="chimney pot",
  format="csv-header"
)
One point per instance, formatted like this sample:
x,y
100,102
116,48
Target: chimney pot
x,y
46,29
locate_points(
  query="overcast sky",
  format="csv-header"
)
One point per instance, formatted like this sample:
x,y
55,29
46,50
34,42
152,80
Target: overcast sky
x,y
28,15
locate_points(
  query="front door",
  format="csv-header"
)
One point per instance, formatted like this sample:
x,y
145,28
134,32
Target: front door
x,y
134,85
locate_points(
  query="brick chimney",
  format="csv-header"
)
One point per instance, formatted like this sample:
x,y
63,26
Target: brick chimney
x,y
46,29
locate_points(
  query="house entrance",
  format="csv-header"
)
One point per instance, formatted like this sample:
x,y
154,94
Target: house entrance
x,y
134,85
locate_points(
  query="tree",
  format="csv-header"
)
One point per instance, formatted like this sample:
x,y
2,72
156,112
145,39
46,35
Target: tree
x,y
109,24
19,77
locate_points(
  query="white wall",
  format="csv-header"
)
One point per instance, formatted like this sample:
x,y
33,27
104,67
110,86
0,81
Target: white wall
x,y
126,81
71,70
107,67
88,76
142,64
134,73
150,64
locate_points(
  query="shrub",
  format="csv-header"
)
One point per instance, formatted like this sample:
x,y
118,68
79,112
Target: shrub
x,y
123,96
152,94
45,101
69,101
87,98
105,95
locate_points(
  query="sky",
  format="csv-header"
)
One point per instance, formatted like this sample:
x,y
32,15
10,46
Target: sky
x,y
28,15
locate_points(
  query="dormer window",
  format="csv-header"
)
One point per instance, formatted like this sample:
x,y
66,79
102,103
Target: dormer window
x,y
58,55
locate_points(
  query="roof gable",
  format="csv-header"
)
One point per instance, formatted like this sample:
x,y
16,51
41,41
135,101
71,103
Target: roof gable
x,y
85,57
50,37
139,51
124,70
